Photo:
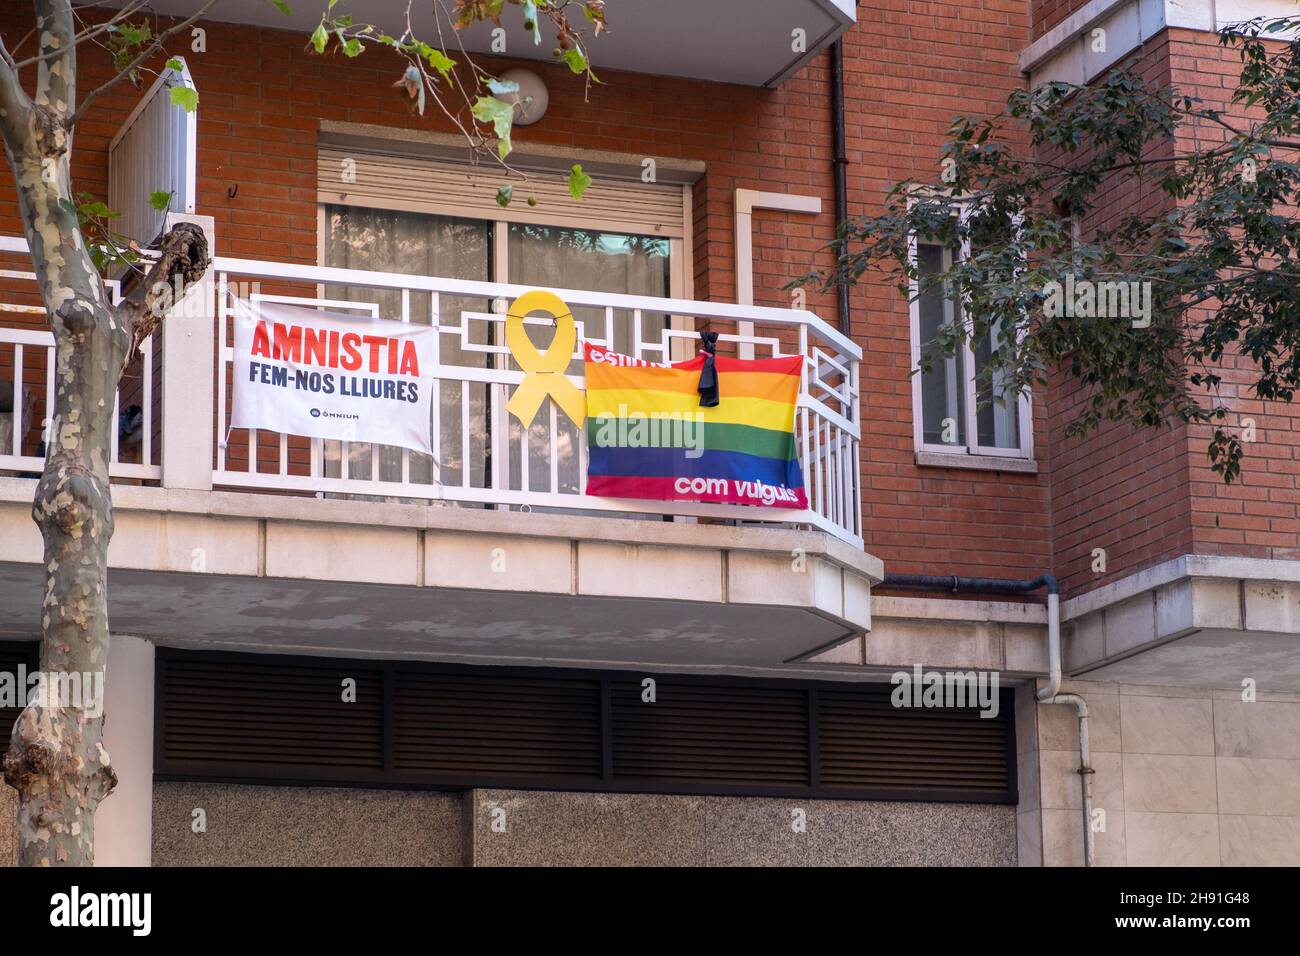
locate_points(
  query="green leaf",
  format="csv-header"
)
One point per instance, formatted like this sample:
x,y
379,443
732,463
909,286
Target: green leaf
x,y
578,181
284,7
319,38
488,109
500,87
504,195
160,199
577,62
176,63
185,97
134,35
352,47
440,62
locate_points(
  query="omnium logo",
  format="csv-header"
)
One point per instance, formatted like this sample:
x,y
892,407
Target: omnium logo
x,y
919,688
72,690
321,413
75,908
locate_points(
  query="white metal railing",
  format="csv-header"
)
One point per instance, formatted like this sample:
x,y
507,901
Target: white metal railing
x,y
482,455
27,368
155,150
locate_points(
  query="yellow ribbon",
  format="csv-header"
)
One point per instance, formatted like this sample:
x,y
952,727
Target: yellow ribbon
x,y
543,371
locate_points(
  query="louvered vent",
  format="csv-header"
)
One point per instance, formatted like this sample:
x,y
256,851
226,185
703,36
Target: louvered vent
x,y
868,744
461,725
248,717
13,654
730,735
269,719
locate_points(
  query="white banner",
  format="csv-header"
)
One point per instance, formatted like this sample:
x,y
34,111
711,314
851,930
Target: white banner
x,y
302,371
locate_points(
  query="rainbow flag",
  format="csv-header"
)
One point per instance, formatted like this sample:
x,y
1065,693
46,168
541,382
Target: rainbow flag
x,y
648,436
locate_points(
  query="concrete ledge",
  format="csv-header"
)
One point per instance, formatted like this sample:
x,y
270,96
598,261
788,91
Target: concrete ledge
x,y
1067,52
939,459
18,526
1186,566
936,632
258,571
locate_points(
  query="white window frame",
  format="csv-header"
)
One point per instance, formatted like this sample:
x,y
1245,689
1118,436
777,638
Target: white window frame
x,y
972,449
679,252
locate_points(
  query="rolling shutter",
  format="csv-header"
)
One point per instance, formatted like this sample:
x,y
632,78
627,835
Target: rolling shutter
x,y
412,184
279,719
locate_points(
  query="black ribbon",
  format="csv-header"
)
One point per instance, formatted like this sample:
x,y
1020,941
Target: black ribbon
x,y
708,387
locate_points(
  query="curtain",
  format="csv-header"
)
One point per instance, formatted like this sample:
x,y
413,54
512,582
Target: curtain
x,y
418,244
581,259
943,387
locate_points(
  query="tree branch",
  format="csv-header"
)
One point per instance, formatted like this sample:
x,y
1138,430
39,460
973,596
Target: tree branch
x,y
157,46
56,73
183,255
15,106
132,8
5,58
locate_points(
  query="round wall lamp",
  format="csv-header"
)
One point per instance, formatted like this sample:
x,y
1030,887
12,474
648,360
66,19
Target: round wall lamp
x,y
531,100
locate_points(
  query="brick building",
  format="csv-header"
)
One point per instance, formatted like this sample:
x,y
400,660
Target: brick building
x,y
499,629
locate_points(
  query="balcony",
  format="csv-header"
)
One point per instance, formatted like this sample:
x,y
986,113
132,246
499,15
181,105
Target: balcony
x,y
488,549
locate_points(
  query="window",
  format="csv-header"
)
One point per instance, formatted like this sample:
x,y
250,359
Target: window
x,y
959,407
599,261
423,216
409,243
418,243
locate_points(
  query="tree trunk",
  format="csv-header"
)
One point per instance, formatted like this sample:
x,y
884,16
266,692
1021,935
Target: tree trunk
x,y
56,758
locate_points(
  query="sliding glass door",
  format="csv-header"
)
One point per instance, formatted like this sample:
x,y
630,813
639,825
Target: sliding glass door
x,y
546,256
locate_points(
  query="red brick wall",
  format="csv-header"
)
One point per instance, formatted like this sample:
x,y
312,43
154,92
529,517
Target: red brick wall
x,y
1259,515
1048,13
910,69
1151,496
1121,491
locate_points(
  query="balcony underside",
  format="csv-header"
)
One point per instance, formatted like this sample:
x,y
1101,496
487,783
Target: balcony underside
x,y
728,41
1195,621
275,573
1215,657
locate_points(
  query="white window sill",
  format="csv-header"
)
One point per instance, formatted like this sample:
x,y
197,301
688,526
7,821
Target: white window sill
x,y
943,459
